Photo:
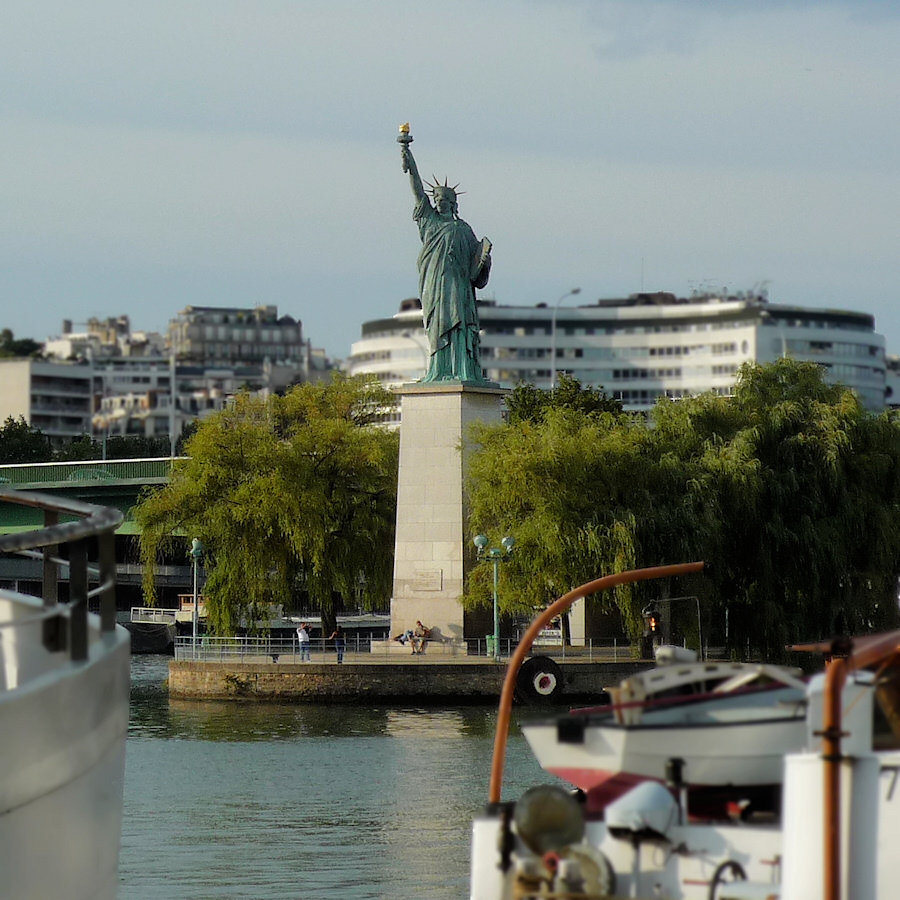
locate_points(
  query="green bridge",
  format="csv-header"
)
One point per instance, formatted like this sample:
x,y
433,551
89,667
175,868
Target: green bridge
x,y
109,482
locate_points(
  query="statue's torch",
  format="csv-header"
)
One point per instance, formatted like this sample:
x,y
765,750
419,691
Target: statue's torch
x,y
404,139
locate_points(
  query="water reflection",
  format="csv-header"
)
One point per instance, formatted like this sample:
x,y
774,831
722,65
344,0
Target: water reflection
x,y
271,801
153,714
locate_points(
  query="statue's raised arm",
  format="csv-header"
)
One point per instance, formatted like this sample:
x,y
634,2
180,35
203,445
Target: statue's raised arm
x,y
408,162
452,263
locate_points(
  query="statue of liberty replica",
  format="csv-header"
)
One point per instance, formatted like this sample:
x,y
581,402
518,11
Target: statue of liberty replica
x,y
452,264
431,550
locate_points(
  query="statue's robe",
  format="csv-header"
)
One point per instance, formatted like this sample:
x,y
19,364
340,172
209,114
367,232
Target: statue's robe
x,y
447,262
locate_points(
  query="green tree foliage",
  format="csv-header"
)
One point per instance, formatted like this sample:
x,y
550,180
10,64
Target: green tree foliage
x,y
119,446
10,347
583,496
804,486
789,488
187,432
81,448
528,403
296,492
135,446
128,446
20,443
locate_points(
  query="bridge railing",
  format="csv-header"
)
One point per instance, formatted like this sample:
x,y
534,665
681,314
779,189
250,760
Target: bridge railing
x,y
95,470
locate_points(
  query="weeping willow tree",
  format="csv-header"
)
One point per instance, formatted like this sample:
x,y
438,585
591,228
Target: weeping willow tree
x,y
789,488
805,487
289,494
584,495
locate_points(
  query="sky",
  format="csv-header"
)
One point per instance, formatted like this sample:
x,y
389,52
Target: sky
x,y
159,154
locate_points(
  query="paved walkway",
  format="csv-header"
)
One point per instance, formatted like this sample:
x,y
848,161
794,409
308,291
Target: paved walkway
x,y
398,659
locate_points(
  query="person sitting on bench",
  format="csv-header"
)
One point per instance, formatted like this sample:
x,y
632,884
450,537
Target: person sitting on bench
x,y
420,636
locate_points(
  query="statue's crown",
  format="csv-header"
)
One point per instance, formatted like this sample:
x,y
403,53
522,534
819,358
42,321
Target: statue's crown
x,y
444,188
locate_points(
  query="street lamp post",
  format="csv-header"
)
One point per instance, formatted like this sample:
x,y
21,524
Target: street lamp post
x,y
172,395
196,553
423,350
767,317
571,293
496,555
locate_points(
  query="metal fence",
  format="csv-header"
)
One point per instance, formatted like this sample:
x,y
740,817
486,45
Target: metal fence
x,y
65,625
606,650
110,470
368,647
263,649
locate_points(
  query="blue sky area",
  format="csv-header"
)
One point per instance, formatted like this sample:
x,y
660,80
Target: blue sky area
x,y
158,154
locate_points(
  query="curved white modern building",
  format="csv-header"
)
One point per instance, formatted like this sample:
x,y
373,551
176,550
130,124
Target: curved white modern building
x,y
642,347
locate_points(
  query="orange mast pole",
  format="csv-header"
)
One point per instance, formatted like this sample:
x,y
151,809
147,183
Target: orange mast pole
x,y
867,651
835,678
558,606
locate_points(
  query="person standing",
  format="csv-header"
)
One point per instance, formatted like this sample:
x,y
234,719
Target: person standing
x,y
303,640
339,643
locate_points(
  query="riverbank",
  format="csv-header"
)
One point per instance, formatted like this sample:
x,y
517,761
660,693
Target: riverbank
x,y
464,680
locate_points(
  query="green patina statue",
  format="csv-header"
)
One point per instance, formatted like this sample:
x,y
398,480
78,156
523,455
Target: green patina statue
x,y
452,263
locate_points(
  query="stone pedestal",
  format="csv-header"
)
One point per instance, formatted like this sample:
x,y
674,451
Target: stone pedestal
x,y
431,549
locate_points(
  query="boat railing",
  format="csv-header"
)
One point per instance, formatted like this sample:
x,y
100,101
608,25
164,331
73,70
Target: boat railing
x,y
153,615
69,528
687,699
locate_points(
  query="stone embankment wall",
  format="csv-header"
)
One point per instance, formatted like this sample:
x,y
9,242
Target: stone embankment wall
x,y
420,680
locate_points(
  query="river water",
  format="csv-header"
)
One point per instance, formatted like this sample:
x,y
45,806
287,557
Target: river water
x,y
232,800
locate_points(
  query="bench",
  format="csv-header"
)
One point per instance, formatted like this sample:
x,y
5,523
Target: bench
x,y
439,648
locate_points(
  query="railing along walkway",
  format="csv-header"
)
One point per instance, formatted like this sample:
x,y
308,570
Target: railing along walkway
x,y
359,648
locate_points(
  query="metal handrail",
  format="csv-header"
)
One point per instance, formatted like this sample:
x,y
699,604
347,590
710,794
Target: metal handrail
x,y
65,626
242,646
93,520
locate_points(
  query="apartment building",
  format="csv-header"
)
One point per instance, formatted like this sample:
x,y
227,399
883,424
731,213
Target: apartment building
x,y
134,396
104,339
55,397
641,347
216,335
147,385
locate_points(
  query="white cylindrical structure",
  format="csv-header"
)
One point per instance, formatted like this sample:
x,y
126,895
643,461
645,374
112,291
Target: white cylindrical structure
x,y
804,828
487,882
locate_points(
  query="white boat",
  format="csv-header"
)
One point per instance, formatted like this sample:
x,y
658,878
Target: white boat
x,y
728,723
64,691
835,838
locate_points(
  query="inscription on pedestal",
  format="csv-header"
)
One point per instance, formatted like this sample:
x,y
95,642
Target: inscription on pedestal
x,y
427,580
